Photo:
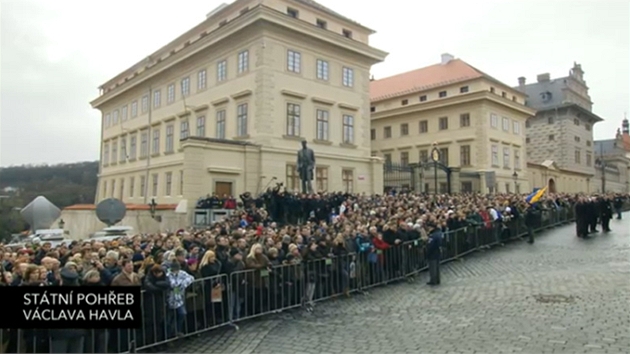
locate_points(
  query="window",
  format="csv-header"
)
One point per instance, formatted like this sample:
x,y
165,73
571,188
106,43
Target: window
x,y
220,132
388,159
507,187
292,12
495,156
322,125
134,109
132,184
348,129
155,149
185,86
294,61
578,156
492,89
464,120
321,23
387,132
123,113
550,120
105,189
404,102
201,126
105,154
576,121
113,188
424,126
322,70
588,143
170,94
292,178
221,70
464,155
347,33
372,109
506,157
589,159
424,155
143,186
321,179
514,99
551,137
577,139
123,149
133,142
115,117
527,140
348,77
157,98
404,129
347,180
528,123
293,119
587,127
181,182
463,89
154,189
442,94
114,156
444,156
243,61
184,129
145,103
516,127
169,182
144,143
121,191
423,98
202,79
494,120
241,120
503,94
372,134
169,146
404,158
443,123
107,120
506,124
517,159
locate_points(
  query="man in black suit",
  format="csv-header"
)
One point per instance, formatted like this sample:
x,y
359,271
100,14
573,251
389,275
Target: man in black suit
x,y
605,212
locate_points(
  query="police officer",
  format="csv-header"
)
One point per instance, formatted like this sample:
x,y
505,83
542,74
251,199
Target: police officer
x,y
618,204
605,213
530,221
434,252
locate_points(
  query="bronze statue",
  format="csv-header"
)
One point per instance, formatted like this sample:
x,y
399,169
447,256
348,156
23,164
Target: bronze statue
x,y
305,166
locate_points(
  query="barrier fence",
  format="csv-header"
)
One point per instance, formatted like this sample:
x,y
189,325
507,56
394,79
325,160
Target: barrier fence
x,y
226,300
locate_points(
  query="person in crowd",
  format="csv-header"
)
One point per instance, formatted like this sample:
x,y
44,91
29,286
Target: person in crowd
x,y
605,212
618,205
67,340
434,252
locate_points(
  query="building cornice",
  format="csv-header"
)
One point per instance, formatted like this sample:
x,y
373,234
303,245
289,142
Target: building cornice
x,y
143,73
451,101
594,117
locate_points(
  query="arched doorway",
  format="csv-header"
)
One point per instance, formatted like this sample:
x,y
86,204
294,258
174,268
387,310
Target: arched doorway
x,y
551,186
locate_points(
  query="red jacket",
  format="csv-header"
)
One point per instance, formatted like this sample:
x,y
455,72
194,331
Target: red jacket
x,y
380,245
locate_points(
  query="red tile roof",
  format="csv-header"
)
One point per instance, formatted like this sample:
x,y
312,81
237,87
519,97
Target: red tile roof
x,y
129,207
423,79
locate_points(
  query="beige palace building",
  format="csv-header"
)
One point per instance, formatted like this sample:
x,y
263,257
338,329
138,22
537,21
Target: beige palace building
x,y
224,107
477,122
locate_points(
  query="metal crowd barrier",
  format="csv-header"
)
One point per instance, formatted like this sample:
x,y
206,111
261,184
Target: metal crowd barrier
x,y
225,300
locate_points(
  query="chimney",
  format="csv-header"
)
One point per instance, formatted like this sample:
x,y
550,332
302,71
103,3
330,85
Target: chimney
x,y
521,83
446,58
372,78
544,77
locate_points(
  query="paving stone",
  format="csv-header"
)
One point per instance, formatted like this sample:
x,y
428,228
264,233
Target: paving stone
x,y
486,304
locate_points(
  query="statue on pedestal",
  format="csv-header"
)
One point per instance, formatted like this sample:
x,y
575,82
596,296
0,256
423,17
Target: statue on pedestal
x,y
305,166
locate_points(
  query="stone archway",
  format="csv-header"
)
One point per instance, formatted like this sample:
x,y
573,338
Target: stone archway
x,y
551,186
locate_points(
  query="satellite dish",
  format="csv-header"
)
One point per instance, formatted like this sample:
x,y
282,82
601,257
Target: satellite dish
x,y
111,211
40,213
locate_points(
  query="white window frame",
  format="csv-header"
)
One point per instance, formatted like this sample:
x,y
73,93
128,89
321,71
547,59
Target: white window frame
x,y
241,120
322,68
348,129
322,118
348,77
185,86
294,61
495,155
202,79
170,93
222,70
243,61
494,120
220,124
170,139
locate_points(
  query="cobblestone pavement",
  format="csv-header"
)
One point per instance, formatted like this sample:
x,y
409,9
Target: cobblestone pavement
x,y
487,303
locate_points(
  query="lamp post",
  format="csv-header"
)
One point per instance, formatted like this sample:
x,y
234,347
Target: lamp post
x,y
152,207
602,163
515,178
435,156
62,224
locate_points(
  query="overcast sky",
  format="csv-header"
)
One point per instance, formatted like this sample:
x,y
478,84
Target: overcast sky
x,y
54,54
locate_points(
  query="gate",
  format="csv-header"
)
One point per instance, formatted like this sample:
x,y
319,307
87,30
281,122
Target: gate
x,y
400,177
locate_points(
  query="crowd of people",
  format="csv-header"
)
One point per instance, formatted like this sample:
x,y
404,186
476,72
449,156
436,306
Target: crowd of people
x,y
275,251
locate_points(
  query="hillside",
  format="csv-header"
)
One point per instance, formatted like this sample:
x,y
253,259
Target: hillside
x,y
63,185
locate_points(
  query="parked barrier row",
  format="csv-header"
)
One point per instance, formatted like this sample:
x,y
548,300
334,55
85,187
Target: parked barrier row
x,y
226,300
